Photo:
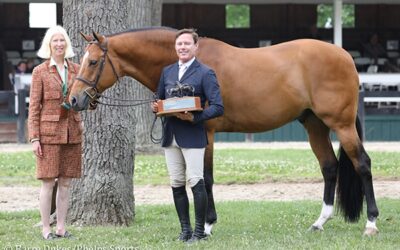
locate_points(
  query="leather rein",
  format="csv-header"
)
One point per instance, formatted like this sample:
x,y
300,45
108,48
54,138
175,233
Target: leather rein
x,y
92,90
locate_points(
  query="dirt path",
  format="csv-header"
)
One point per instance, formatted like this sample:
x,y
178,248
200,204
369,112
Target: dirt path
x,y
26,198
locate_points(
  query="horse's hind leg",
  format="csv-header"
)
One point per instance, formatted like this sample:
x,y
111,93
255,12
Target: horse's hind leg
x,y
355,178
211,216
318,134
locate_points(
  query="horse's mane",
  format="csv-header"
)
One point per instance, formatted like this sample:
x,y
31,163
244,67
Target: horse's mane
x,y
143,29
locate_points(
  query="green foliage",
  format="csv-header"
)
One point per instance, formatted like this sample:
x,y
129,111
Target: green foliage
x,y
237,15
241,225
237,166
348,16
325,11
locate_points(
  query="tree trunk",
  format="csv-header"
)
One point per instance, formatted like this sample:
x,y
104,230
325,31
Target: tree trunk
x,y
104,194
149,16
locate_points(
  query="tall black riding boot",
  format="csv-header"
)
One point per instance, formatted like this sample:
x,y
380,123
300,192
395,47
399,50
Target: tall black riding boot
x,y
200,209
182,208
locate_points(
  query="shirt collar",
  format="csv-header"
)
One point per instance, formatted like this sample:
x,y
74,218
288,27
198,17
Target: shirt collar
x,y
53,63
188,63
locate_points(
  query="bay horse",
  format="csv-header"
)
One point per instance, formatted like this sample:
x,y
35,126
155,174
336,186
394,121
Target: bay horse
x,y
262,89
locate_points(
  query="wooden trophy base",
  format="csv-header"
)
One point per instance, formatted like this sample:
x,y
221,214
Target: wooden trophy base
x,y
178,105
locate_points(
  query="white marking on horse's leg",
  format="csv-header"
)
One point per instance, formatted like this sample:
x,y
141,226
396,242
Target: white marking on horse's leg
x,y
326,214
371,228
208,228
371,224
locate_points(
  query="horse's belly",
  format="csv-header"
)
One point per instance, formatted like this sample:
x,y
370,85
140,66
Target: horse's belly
x,y
253,122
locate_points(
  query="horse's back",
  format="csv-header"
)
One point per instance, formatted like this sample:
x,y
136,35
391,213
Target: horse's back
x,y
316,60
277,83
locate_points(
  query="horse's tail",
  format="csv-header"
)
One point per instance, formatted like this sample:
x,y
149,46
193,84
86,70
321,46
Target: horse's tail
x,y
350,193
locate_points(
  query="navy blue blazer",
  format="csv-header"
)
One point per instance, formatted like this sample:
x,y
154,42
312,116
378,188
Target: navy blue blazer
x,y
203,79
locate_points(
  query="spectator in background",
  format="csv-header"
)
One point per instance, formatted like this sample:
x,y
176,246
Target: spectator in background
x,y
375,50
21,68
30,64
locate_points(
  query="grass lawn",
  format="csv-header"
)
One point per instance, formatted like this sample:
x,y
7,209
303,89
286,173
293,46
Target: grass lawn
x,y
237,166
241,225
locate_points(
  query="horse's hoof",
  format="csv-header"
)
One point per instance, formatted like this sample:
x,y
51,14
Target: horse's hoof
x,y
207,228
371,231
314,228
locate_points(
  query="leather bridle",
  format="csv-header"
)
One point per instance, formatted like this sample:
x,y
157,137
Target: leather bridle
x,y
92,91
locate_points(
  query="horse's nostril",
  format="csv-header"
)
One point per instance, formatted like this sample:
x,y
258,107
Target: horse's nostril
x,y
73,101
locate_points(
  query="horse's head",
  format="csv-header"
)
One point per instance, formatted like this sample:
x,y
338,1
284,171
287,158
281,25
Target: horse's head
x,y
97,73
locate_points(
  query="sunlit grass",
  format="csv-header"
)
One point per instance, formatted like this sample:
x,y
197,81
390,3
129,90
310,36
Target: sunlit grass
x,y
17,168
262,165
230,166
241,225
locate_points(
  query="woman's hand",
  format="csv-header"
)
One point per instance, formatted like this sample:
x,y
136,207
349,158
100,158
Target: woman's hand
x,y
37,149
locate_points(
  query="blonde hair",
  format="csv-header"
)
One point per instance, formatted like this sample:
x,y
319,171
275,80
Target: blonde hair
x,y
45,51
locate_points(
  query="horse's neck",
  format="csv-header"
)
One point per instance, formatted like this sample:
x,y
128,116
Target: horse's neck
x,y
142,56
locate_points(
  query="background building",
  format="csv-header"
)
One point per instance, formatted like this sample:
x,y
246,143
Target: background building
x,y
258,23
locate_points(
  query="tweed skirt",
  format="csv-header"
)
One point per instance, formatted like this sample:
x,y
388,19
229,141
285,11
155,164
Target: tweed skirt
x,y
59,160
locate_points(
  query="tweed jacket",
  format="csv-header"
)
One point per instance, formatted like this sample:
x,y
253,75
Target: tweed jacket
x,y
48,121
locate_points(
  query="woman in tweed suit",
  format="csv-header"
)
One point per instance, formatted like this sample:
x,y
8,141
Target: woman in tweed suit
x,y
54,129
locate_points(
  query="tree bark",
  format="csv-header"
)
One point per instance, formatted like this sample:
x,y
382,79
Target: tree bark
x,y
148,15
104,194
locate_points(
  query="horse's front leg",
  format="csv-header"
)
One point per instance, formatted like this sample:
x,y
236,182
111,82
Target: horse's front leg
x,y
211,217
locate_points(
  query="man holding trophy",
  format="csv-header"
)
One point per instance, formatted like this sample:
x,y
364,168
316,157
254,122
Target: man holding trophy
x,y
185,136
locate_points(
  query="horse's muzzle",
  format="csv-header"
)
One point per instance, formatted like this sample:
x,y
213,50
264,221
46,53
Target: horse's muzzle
x,y
74,103
79,104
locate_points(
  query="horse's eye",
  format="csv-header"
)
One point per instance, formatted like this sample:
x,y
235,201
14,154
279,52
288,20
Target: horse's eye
x,y
92,62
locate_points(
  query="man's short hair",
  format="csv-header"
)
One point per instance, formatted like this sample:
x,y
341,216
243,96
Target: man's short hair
x,y
188,31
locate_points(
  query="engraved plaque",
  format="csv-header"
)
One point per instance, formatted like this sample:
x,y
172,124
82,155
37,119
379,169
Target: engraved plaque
x,y
178,104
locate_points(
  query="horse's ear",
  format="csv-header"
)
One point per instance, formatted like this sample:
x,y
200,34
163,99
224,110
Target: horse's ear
x,y
98,37
88,38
